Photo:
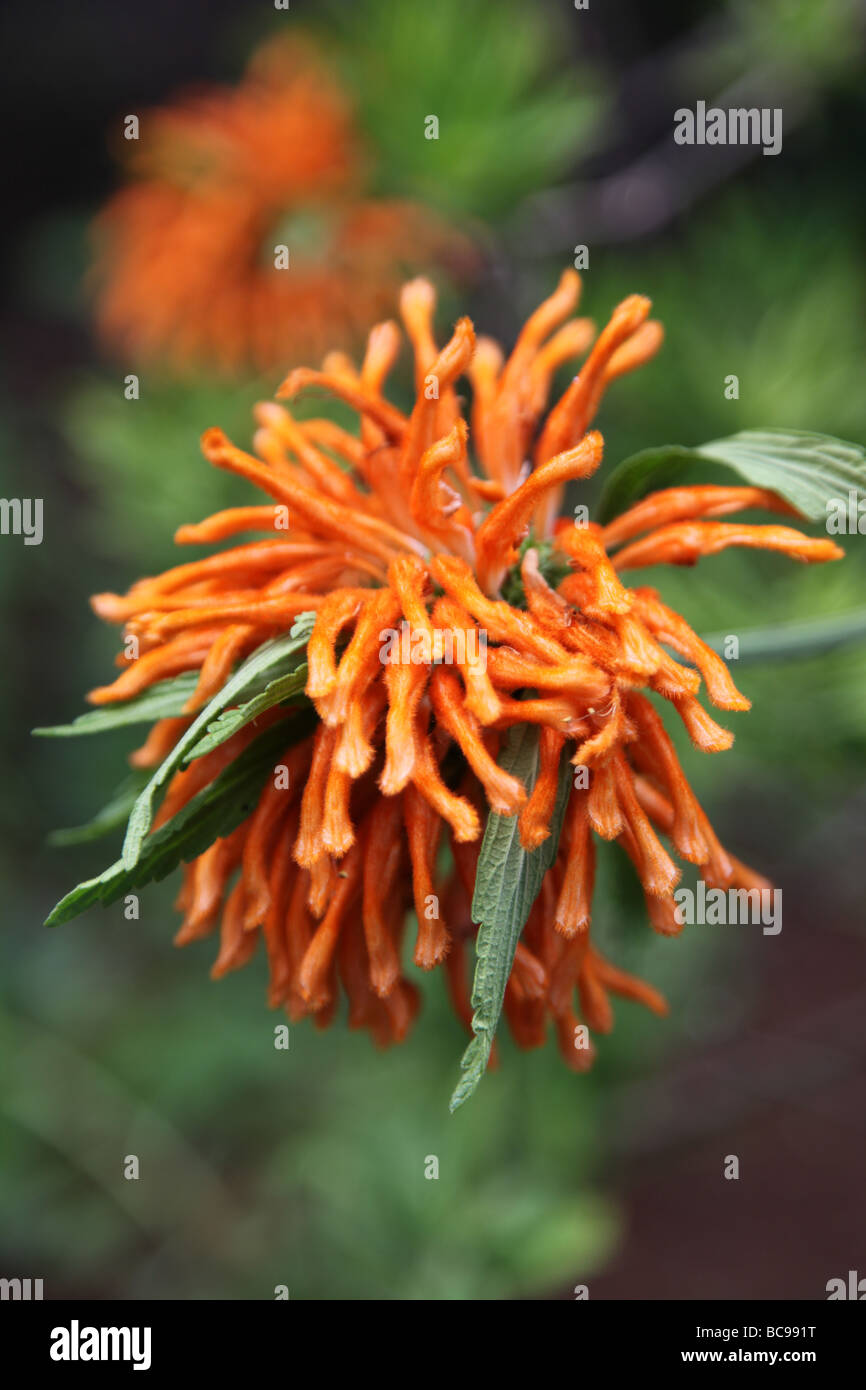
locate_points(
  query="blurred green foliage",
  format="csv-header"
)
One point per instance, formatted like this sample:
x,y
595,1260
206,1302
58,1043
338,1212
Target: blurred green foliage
x,y
511,111
818,42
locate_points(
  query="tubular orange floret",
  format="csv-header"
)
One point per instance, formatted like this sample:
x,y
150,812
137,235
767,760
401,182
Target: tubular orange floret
x,y
456,810
280,879
685,542
686,830
570,417
231,522
263,613
336,833
383,347
576,675
405,683
658,873
688,503
392,421
185,652
512,408
332,437
583,545
465,647
417,304
504,623
639,654
635,351
434,505
236,945
323,877
548,607
610,729
315,977
483,372
603,808
210,874
423,828
574,900
506,794
702,729
217,665
410,580
627,986
553,713
274,804
451,362
363,658
573,339
334,613
308,846
508,521
382,851
355,751
322,472
675,632
534,820
325,517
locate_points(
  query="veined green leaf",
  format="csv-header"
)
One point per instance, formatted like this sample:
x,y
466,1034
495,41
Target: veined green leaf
x,y
790,640
164,700
257,671
213,812
111,817
507,883
283,688
806,469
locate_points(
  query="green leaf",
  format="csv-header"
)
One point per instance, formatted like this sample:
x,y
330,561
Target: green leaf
x,y
806,469
284,688
800,639
162,701
256,672
213,812
507,882
111,817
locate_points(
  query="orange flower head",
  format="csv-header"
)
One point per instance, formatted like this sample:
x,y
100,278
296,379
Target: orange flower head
x,y
243,234
451,607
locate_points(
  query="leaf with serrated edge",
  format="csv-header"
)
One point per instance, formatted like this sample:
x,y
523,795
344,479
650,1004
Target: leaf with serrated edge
x,y
245,681
283,688
806,469
507,882
213,812
164,700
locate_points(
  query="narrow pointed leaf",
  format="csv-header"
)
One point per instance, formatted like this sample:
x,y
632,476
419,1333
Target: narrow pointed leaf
x,y
507,882
164,700
257,671
213,812
284,688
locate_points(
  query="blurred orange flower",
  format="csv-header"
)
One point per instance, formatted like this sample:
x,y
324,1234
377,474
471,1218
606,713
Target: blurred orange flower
x,y
396,535
244,236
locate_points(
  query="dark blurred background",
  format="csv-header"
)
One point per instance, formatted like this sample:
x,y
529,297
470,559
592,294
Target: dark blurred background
x,y
306,1168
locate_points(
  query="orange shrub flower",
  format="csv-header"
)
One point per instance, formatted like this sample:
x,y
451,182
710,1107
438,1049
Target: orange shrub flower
x,y
186,271
397,530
